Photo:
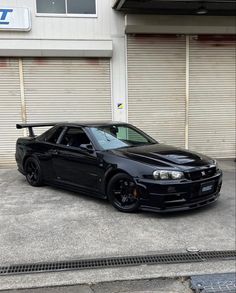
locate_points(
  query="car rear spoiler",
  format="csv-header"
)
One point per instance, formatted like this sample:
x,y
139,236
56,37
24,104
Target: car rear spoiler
x,y
31,125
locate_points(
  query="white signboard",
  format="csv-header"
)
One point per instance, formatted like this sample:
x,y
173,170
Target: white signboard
x,y
15,19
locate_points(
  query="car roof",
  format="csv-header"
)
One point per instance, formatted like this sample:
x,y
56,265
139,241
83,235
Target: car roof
x,y
91,123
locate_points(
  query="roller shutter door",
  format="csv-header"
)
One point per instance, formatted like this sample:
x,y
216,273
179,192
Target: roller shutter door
x,y
58,89
10,109
156,86
212,97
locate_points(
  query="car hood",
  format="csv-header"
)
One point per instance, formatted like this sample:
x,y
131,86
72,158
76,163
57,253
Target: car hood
x,y
165,156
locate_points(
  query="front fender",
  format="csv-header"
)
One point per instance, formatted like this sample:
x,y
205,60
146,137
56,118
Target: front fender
x,y
124,165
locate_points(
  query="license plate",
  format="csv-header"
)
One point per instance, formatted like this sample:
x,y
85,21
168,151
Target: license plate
x,y
207,187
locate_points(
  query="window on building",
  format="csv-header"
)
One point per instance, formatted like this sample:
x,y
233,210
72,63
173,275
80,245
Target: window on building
x,y
67,7
51,6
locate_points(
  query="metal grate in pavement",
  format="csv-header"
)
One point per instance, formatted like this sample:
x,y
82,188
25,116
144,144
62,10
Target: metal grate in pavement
x,y
83,264
216,283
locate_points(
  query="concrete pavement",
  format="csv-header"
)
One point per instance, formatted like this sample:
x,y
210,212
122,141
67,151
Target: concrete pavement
x,y
48,224
178,285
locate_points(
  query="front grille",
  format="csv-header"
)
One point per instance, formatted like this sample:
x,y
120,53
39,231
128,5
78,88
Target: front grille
x,y
201,174
113,262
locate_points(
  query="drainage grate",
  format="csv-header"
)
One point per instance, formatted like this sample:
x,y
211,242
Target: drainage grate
x,y
117,262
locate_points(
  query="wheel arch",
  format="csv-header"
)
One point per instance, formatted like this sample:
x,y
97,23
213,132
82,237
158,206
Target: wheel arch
x,y
25,159
110,175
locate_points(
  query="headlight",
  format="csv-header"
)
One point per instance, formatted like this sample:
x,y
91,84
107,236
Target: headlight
x,y
177,175
165,175
216,164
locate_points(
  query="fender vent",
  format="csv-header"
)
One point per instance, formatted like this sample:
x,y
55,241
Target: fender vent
x,y
99,263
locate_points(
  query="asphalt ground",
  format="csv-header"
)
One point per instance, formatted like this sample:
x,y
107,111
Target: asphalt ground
x,y
48,224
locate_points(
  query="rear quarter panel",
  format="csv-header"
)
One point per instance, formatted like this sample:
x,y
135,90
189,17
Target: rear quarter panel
x,y
31,147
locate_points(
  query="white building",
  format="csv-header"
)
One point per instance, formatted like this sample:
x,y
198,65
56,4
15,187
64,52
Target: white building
x,y
157,64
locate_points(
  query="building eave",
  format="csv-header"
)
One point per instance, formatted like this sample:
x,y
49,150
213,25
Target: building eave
x,y
177,7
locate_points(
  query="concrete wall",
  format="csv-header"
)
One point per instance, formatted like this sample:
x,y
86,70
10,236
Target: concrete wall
x,y
102,36
64,27
180,24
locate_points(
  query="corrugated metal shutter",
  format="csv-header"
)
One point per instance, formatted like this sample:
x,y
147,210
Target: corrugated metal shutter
x,y
156,86
59,89
10,109
212,97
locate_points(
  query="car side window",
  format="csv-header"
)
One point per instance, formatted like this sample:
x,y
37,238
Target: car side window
x,y
53,136
75,137
129,134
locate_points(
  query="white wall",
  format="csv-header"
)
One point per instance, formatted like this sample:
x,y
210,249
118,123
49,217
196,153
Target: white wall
x,y
59,27
102,36
180,24
51,35
118,63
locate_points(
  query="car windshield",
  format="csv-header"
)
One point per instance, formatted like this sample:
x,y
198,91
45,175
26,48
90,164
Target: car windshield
x,y
120,136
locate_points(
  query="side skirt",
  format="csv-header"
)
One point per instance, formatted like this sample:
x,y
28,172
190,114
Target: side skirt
x,y
75,188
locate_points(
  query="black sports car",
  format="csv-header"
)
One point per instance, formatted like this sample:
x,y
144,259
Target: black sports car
x,y
119,162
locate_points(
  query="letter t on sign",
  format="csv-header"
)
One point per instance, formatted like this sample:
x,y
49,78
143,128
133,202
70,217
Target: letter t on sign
x,y
4,13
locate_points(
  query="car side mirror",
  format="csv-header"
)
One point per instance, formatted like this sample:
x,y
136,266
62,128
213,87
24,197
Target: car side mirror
x,y
87,147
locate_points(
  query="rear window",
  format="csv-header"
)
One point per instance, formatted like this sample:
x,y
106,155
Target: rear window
x,y
51,135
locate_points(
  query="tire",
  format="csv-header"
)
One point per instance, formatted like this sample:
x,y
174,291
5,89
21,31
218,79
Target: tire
x,y
33,172
122,193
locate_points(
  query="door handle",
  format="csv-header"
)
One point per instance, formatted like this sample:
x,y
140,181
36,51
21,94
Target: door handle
x,y
54,152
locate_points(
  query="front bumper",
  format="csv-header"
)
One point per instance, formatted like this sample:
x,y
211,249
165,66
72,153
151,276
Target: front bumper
x,y
168,196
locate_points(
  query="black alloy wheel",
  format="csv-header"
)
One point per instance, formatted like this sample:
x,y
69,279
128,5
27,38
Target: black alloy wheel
x,y
33,172
123,193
